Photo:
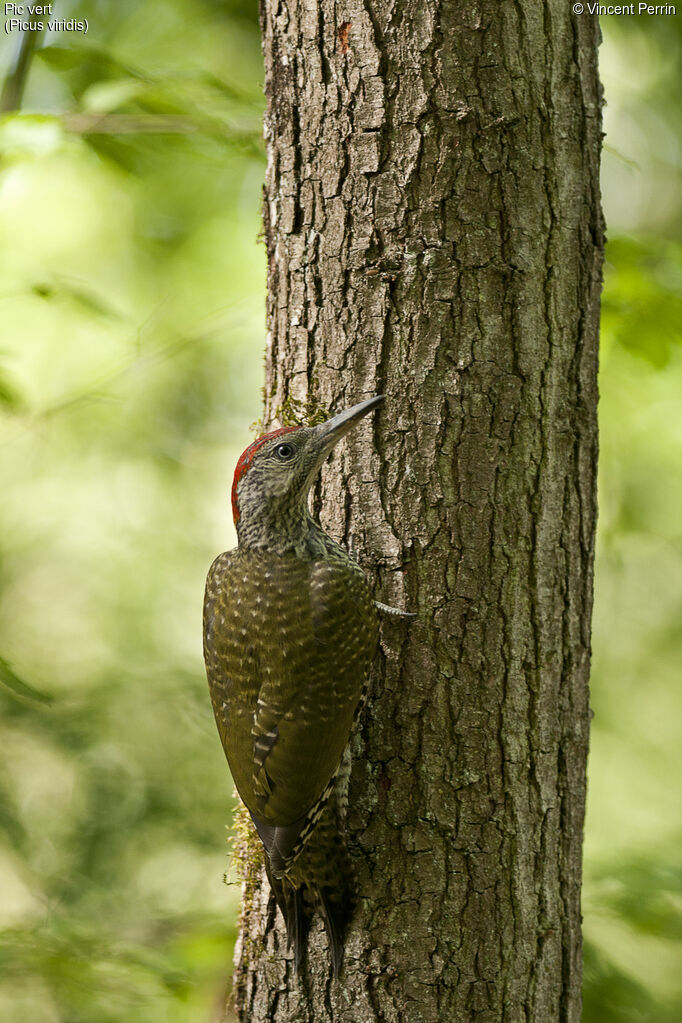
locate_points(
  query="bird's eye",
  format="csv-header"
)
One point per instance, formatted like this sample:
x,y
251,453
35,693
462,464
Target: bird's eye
x,y
284,452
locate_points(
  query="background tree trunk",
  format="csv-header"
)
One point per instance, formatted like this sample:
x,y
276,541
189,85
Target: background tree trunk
x,y
434,233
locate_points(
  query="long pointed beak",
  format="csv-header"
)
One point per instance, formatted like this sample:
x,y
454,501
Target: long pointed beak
x,y
326,435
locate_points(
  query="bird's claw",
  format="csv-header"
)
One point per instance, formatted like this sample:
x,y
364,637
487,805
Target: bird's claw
x,y
395,611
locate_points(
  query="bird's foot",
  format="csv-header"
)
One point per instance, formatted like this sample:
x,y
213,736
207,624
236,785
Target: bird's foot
x,y
395,611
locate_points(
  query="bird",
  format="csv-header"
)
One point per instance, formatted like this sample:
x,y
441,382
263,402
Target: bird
x,y
290,632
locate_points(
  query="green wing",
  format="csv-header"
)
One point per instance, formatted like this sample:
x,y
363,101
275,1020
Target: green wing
x,y
288,645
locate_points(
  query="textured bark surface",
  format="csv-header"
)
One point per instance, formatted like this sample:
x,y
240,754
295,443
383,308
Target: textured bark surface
x,y
434,234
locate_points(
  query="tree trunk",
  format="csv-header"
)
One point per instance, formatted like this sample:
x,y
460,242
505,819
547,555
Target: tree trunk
x,y
434,233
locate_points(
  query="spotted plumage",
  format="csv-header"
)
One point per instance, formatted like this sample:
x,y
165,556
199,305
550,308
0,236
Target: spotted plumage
x,y
290,628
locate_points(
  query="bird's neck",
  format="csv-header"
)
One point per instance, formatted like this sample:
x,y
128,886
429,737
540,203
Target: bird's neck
x,y
292,531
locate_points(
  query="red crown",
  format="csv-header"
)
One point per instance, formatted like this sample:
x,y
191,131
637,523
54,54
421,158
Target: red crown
x,y
245,461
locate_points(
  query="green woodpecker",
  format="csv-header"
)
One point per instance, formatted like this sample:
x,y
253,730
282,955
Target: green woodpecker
x,y
290,629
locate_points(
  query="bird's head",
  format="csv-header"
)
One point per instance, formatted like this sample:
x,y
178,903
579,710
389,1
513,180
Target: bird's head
x,y
274,474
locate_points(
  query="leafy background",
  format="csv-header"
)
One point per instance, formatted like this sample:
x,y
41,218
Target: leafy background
x,y
131,334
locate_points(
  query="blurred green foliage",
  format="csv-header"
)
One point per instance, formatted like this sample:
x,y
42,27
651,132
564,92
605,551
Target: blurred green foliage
x,y
632,896
131,335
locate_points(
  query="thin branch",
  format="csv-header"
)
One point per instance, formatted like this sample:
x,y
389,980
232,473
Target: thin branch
x,y
15,82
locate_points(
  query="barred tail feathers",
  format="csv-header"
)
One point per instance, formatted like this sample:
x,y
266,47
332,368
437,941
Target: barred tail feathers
x,y
290,901
320,879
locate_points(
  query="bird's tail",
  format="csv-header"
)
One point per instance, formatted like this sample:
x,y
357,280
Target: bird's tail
x,y
320,879
290,900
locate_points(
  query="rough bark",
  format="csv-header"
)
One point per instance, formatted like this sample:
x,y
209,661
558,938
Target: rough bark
x,y
434,233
